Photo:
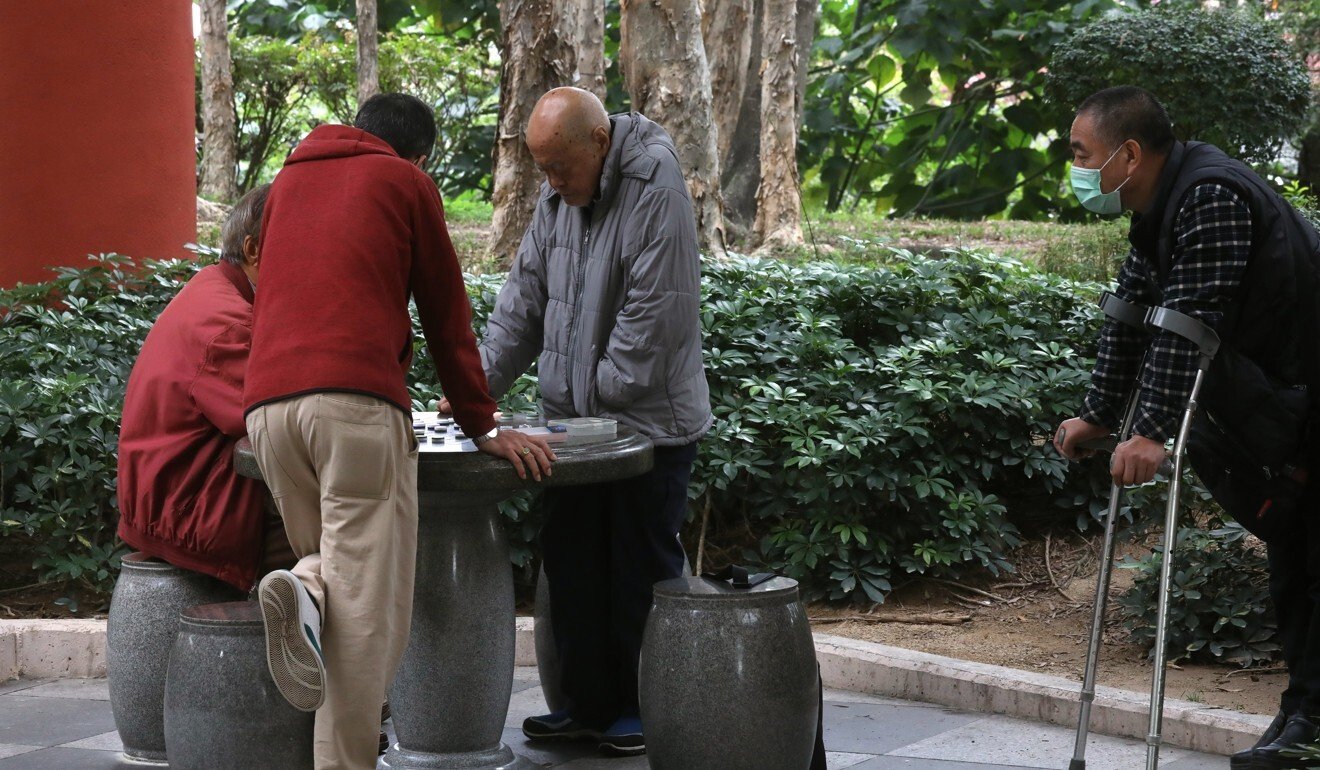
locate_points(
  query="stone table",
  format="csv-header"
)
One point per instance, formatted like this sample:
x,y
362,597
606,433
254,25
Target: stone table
x,y
451,694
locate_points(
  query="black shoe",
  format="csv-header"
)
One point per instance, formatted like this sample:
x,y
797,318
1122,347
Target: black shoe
x,y
383,745
1244,760
624,738
1297,733
558,726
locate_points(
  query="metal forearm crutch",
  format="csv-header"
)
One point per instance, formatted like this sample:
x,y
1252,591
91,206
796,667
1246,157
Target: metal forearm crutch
x,y
1207,343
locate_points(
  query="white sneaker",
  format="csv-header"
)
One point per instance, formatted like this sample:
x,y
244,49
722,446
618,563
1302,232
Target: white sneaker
x,y
293,640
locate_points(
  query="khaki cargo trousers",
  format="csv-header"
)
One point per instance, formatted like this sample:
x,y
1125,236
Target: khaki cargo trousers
x,y
342,469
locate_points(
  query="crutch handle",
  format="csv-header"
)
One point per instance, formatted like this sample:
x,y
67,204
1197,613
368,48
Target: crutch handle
x,y
1102,444
1199,334
1127,313
1108,444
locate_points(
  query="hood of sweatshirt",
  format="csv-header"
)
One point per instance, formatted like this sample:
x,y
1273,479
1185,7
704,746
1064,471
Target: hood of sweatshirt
x,y
334,141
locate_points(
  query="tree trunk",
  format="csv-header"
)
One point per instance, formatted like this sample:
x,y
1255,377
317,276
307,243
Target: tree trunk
x,y
368,63
807,13
741,169
219,121
778,200
591,47
540,39
726,30
666,73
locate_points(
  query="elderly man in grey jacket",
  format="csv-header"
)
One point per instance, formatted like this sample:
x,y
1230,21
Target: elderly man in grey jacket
x,y
605,289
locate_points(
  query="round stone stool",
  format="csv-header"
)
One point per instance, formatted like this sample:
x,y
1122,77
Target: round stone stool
x,y
222,711
728,677
144,618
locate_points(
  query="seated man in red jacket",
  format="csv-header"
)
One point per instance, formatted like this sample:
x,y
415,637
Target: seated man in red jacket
x,y
179,497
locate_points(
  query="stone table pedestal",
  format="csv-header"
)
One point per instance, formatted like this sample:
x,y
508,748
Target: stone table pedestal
x,y
451,695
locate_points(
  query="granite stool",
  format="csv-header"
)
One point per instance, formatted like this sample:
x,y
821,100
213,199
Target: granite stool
x,y
144,618
222,711
728,677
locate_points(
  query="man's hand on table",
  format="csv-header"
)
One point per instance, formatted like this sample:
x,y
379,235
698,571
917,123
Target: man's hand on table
x,y
442,406
527,454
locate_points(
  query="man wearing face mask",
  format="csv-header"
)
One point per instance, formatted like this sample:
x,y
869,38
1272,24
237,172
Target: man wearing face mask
x,y
1212,240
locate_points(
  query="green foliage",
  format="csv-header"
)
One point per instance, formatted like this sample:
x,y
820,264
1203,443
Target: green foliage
x,y
877,422
270,94
872,422
1219,608
66,348
283,89
1306,203
1226,76
935,108
328,19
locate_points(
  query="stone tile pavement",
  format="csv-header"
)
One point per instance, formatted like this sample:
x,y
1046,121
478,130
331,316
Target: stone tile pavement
x,y
66,725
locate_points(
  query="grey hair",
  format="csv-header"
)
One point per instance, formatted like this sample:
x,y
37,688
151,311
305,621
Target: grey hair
x,y
243,221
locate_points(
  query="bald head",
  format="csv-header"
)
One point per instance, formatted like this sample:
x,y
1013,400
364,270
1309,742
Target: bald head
x,y
571,114
569,138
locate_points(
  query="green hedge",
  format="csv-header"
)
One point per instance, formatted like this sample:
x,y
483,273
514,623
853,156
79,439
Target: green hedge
x,y
873,423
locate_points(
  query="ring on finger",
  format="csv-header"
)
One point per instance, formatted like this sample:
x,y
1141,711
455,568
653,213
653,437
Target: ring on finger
x,y
526,450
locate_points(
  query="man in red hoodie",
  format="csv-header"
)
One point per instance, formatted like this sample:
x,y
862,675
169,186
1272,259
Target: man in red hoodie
x,y
353,227
179,497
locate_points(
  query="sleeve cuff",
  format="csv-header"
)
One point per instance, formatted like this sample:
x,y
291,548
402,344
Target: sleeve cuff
x,y
1097,411
1155,425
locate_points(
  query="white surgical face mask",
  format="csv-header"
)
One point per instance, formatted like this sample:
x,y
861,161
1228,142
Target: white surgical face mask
x,y
1086,186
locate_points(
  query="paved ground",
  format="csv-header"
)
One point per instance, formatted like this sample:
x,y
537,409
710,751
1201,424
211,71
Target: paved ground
x,y
67,725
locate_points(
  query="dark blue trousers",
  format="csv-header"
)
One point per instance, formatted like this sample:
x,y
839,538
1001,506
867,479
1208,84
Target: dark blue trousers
x,y
605,546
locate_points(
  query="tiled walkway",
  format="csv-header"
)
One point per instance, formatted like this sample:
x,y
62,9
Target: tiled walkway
x,y
66,725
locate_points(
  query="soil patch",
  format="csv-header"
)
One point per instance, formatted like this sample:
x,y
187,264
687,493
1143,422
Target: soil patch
x,y
1027,623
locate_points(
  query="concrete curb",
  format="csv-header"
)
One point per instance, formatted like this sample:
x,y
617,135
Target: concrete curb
x,y
53,649
877,669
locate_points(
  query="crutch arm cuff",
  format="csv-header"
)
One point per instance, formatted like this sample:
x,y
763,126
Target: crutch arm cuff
x,y
1127,313
1199,334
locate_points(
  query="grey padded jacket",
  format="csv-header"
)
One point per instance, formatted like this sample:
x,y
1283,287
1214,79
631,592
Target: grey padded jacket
x,y
611,304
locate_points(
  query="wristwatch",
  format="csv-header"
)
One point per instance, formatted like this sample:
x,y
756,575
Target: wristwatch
x,y
483,438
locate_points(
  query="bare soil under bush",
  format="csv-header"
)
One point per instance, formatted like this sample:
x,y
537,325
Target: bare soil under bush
x,y
1038,619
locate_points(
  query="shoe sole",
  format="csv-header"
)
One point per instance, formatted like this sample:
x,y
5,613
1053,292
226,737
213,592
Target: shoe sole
x,y
564,736
298,671
612,750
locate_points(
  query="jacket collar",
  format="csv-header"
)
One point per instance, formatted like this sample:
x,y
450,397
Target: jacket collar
x,y
236,276
1144,232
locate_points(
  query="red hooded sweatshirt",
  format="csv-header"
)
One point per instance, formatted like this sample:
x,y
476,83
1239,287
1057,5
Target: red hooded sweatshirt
x,y
351,230
179,497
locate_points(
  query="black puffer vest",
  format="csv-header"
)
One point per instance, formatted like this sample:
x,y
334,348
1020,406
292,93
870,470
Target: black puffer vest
x,y
1274,320
1252,439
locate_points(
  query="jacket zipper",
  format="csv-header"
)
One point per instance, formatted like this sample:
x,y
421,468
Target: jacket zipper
x,y
577,300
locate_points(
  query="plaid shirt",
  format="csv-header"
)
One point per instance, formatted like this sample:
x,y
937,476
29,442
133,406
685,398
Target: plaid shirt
x,y
1212,240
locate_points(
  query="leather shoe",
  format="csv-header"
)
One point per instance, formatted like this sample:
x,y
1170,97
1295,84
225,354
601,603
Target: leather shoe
x,y
1244,760
1298,732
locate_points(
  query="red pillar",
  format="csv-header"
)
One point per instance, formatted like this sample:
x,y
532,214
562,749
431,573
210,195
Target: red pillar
x,y
96,132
